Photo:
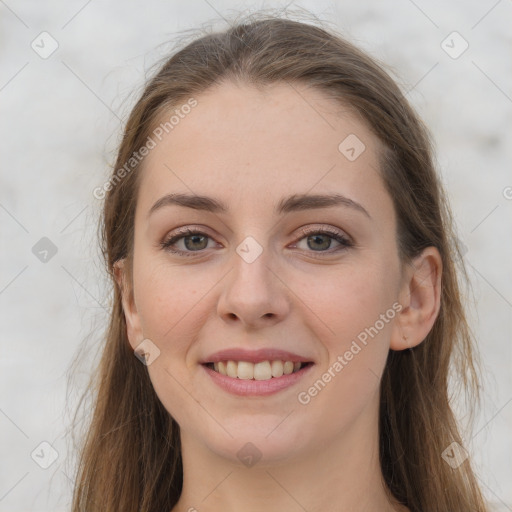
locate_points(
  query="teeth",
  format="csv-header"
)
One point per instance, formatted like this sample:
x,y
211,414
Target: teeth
x,y
231,369
263,370
276,368
245,370
288,368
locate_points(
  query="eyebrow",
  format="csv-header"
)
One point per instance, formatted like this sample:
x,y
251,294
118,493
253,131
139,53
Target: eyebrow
x,y
295,202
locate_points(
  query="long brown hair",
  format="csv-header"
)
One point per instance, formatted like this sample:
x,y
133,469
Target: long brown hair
x,y
130,457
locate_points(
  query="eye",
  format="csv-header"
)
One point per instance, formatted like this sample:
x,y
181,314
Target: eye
x,y
317,240
193,240
320,240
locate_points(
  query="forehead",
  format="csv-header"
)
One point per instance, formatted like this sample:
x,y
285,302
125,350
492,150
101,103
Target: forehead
x,y
251,145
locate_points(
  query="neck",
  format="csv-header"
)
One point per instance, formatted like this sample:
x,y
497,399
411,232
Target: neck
x,y
342,475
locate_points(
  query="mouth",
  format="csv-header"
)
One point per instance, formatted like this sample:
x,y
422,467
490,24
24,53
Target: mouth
x,y
261,371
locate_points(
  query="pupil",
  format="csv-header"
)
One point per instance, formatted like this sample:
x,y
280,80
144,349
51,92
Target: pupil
x,y
315,237
195,237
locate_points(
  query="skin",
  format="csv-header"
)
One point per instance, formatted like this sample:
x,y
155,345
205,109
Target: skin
x,y
249,148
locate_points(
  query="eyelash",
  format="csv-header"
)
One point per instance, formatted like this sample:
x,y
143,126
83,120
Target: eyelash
x,y
343,240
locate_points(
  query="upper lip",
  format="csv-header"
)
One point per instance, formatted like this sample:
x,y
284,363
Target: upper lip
x,y
255,356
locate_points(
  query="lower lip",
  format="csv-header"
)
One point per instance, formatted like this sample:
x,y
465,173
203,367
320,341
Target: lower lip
x,y
251,387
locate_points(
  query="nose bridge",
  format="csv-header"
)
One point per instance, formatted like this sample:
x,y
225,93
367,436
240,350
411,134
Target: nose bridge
x,y
252,265
252,292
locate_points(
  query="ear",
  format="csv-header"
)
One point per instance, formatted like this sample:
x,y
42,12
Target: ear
x,y
133,327
420,297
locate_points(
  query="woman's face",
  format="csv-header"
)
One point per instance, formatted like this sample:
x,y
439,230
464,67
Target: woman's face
x,y
262,276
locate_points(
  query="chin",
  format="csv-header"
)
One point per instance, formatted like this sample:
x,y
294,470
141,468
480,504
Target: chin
x,y
263,444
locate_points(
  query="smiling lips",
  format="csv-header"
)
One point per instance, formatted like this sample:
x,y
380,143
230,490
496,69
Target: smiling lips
x,y
263,370
255,372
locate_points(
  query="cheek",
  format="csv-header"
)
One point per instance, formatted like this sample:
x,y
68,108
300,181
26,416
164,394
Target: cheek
x,y
355,308
171,303
350,301
356,339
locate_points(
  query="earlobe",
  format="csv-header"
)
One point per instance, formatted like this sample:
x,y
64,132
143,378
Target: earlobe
x,y
133,329
420,298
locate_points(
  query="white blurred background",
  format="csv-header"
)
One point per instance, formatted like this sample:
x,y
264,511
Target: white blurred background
x,y
61,119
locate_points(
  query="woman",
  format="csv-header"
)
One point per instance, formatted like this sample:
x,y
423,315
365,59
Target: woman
x,y
285,274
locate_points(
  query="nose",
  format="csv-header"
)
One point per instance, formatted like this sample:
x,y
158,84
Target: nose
x,y
254,294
